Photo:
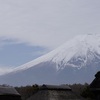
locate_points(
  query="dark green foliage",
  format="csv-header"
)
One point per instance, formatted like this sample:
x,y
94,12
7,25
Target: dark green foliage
x,y
78,88
83,90
86,93
27,91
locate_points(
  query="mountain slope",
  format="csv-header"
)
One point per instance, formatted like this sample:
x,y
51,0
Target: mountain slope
x,y
74,62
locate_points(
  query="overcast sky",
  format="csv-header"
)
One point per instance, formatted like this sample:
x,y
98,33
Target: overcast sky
x,y
31,28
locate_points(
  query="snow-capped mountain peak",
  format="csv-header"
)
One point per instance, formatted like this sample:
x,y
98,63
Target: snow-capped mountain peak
x,y
81,48
76,61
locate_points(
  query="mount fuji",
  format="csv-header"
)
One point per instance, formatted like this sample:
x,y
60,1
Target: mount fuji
x,y
76,61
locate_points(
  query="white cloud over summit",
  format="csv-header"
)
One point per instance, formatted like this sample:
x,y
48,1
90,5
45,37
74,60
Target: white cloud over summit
x,y
48,23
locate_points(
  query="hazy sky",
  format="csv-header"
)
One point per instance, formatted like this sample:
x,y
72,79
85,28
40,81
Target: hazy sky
x,y
31,28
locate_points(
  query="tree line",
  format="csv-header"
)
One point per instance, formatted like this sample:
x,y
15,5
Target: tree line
x,y
79,89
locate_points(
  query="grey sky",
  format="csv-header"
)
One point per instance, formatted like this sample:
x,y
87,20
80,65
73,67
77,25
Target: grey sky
x,y
48,23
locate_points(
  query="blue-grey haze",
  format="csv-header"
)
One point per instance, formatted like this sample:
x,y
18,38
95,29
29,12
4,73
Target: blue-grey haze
x,y
17,54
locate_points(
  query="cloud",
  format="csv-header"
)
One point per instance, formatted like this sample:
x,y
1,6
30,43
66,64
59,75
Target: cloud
x,y
48,23
5,69
39,53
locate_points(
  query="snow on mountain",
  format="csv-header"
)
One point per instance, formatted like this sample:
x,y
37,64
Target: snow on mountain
x,y
77,48
79,57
